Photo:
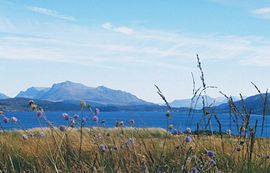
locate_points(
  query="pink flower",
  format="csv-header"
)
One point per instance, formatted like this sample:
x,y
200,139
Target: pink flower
x,y
66,116
39,114
24,137
62,128
95,118
14,119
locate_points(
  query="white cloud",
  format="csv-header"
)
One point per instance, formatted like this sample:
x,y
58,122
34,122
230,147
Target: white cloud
x,y
262,12
121,29
50,12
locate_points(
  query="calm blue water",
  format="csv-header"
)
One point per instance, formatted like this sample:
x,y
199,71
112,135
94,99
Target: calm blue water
x,y
180,120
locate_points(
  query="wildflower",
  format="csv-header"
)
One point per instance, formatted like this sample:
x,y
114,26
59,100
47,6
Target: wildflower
x,y
72,123
188,139
97,111
62,128
102,148
24,137
84,120
31,102
95,118
194,170
66,116
14,119
130,141
229,132
131,122
82,104
212,163
188,130
170,127
6,119
75,116
39,113
210,153
30,134
238,149
41,134
168,114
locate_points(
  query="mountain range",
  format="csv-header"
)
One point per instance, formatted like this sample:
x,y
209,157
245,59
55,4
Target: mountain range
x,y
3,96
197,102
71,92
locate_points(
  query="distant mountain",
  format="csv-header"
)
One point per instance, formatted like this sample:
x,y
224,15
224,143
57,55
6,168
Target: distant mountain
x,y
254,103
21,104
187,102
3,96
71,92
33,92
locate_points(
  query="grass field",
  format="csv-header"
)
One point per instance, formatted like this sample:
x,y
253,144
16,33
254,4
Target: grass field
x,y
129,150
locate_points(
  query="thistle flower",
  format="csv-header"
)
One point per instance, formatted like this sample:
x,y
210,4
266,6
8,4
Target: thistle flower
x,y
72,123
84,120
188,130
210,153
194,170
14,119
97,111
229,132
41,134
168,114
66,116
95,118
212,163
130,141
62,128
31,102
39,113
188,139
102,148
76,116
131,122
6,119
24,137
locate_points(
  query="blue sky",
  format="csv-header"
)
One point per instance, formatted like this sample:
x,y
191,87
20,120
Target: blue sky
x,y
132,45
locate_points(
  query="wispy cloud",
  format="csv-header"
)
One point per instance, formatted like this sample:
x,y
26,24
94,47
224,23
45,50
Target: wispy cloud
x,y
121,29
50,12
263,13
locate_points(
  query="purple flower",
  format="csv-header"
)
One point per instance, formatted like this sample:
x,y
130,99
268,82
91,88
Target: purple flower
x,y
14,119
229,132
72,123
102,148
210,153
30,134
76,116
130,141
41,134
62,128
188,139
84,120
6,119
95,118
97,111
66,116
39,114
24,137
188,130
212,163
194,170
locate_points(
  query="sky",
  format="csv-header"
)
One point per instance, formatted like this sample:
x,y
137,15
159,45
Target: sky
x,y
132,45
